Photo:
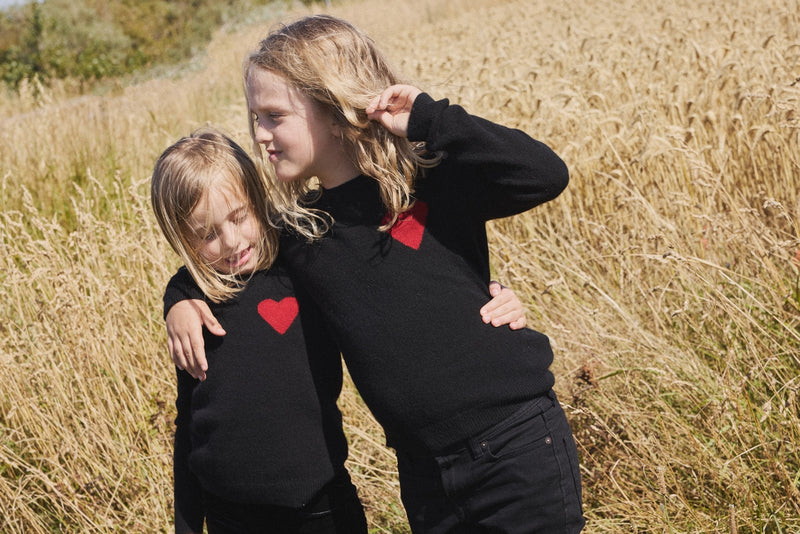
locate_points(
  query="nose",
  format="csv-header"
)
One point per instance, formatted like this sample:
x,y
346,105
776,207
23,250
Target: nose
x,y
262,135
229,237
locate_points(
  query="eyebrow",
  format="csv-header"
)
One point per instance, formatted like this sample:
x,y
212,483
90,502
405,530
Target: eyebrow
x,y
200,228
237,211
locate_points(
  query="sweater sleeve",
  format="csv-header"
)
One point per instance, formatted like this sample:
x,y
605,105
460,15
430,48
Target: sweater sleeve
x,y
189,511
516,171
180,287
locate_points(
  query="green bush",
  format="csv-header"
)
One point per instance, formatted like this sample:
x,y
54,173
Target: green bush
x,y
91,40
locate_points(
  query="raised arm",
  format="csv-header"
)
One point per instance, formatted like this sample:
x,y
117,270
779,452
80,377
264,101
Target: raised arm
x,y
515,171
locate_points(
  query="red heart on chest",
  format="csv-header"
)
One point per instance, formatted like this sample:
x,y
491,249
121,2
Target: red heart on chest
x,y
410,226
279,315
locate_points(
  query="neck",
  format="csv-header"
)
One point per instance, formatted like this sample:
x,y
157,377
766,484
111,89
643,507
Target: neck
x,y
336,168
338,177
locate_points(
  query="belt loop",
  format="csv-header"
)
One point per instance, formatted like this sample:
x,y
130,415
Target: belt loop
x,y
477,447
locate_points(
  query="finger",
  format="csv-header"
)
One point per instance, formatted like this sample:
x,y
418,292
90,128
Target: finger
x,y
505,319
379,116
504,315
495,288
191,356
212,324
508,295
496,291
387,96
200,361
176,354
378,103
198,353
519,324
208,319
373,105
504,298
495,307
487,311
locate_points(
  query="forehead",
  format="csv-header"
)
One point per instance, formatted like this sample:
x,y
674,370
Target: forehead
x,y
218,201
268,90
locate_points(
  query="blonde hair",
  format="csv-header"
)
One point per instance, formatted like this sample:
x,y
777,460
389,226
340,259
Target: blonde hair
x,y
339,68
183,175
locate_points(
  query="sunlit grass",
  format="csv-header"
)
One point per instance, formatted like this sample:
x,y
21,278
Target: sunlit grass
x,y
667,275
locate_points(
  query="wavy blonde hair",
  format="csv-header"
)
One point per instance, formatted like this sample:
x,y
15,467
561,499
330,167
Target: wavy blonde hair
x,y
340,68
183,175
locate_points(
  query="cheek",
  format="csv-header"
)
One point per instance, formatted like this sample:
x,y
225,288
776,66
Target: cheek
x,y
208,252
252,233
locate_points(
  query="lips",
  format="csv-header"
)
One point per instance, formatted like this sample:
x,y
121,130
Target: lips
x,y
240,259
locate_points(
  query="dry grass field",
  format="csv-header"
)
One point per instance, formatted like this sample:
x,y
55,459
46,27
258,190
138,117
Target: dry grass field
x,y
667,275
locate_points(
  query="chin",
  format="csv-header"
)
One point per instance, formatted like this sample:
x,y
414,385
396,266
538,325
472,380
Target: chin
x,y
287,179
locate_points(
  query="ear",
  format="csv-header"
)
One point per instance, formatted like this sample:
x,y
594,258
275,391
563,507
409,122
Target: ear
x,y
337,130
338,123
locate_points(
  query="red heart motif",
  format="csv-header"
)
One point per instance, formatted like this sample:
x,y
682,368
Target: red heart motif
x,y
410,226
279,315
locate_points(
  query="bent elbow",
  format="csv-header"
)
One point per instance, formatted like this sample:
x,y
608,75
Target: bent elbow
x,y
562,178
558,180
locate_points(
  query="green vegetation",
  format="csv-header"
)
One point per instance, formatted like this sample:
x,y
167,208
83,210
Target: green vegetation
x,y
90,40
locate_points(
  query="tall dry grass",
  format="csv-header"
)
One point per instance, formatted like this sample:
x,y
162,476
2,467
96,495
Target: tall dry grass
x,y
667,275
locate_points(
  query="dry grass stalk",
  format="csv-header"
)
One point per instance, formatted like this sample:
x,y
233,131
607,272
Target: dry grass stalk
x,y
667,276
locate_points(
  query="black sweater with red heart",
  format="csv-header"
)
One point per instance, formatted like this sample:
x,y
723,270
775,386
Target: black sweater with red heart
x,y
262,428
404,305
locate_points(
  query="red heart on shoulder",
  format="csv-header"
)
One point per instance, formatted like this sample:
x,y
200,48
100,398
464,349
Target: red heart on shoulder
x,y
410,226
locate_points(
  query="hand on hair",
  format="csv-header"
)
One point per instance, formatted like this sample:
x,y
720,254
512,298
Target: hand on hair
x,y
504,308
185,321
393,107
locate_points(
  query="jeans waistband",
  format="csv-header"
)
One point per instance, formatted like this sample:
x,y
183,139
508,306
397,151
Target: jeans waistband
x,y
476,445
530,408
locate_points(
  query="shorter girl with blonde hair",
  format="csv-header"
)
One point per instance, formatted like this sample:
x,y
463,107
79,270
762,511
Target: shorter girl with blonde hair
x,y
259,445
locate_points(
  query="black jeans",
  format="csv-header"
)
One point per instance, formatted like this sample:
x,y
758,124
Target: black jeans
x,y
519,477
335,510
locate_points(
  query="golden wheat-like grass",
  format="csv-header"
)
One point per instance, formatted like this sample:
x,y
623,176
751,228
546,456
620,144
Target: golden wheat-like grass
x,y
667,275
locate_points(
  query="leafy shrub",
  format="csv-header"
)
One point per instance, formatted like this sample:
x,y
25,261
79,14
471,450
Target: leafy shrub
x,y
95,39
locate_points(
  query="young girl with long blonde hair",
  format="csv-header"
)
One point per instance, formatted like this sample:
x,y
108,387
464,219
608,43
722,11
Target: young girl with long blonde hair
x,y
384,193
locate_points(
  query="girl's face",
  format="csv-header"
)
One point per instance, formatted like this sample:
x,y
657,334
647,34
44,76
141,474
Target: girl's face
x,y
301,140
225,232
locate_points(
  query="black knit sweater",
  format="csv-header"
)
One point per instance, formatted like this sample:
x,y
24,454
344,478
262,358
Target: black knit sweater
x,y
263,428
404,305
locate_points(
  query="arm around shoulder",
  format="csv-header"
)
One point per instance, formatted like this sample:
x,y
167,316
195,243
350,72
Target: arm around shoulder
x,y
185,315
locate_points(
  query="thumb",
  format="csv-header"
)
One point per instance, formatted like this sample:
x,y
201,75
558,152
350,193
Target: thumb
x,y
210,322
495,288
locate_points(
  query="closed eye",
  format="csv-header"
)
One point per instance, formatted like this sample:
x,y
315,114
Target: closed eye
x,y
210,236
272,115
240,216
